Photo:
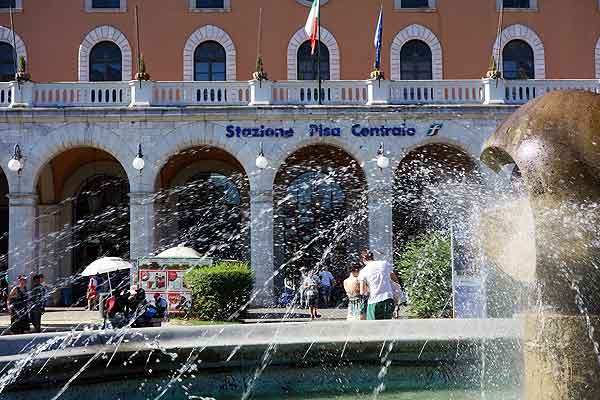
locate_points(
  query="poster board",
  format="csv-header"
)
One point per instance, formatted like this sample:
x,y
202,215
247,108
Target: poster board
x,y
468,283
165,276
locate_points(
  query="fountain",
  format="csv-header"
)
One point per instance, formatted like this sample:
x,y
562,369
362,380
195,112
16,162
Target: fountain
x,y
542,239
553,143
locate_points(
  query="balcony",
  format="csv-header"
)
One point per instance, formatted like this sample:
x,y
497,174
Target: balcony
x,y
281,93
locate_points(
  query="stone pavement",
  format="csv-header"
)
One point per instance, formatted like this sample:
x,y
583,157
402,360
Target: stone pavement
x,y
58,319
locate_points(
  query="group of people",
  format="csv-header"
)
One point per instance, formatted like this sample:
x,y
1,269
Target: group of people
x,y
373,289
27,306
132,308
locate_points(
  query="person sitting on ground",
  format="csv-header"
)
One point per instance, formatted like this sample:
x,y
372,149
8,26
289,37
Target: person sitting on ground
x,y
327,281
357,303
311,292
161,305
38,302
376,280
17,304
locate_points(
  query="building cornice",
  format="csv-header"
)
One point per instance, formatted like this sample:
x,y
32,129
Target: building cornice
x,y
233,113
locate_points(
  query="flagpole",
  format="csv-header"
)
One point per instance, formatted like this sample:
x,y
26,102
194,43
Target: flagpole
x,y
14,43
319,54
137,39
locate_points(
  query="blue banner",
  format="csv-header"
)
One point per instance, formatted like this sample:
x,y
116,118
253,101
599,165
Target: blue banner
x,y
377,42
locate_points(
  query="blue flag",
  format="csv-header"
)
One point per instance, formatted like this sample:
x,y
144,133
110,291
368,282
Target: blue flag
x,y
378,36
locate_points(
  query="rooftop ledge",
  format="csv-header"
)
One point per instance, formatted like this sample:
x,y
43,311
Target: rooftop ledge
x,y
360,93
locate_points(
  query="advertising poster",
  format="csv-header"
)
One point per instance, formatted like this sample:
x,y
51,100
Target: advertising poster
x,y
165,276
153,280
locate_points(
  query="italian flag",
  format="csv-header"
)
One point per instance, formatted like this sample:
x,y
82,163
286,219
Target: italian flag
x,y
312,25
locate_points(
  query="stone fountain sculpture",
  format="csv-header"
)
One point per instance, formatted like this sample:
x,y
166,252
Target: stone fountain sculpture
x,y
554,141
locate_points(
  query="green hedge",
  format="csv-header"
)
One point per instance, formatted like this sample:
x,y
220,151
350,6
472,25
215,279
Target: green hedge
x,y
426,270
220,290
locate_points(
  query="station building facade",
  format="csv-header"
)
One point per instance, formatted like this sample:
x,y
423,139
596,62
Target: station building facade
x,y
201,125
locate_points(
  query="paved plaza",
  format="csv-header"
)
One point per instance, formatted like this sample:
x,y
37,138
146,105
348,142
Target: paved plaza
x,y
57,319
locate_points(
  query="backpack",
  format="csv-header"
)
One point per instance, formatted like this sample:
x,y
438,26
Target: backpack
x,y
110,306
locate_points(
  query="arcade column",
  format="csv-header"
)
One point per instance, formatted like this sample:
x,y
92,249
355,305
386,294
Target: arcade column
x,y
381,232
48,248
141,224
22,214
261,244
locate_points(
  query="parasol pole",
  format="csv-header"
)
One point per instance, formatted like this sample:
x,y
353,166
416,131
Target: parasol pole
x,y
109,285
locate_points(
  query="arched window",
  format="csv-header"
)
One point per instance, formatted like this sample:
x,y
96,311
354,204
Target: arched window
x,y
7,62
209,62
106,62
518,61
307,63
415,61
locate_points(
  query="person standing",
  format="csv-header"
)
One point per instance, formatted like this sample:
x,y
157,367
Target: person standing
x,y
311,292
17,305
92,293
303,277
4,286
38,302
376,280
357,303
327,280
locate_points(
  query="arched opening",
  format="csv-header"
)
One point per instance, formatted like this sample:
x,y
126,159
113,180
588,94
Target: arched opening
x,y
430,185
416,61
209,62
320,213
7,62
307,63
106,62
204,203
83,215
517,60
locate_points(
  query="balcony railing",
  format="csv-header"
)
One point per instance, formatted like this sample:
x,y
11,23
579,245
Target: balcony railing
x,y
294,93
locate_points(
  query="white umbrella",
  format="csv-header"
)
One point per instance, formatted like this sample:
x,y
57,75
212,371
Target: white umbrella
x,y
179,252
106,265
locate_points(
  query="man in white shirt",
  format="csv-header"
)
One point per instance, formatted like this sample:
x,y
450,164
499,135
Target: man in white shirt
x,y
376,281
327,280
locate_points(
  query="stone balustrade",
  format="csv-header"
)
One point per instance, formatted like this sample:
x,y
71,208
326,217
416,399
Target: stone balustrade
x,y
297,93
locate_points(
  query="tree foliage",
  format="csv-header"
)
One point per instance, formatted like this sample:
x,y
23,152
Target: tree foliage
x,y
426,270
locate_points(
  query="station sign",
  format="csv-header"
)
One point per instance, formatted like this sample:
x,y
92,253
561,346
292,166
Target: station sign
x,y
323,130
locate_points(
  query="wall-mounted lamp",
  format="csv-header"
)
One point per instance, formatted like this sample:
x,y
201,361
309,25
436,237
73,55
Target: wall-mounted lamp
x,y
261,160
15,164
138,162
382,160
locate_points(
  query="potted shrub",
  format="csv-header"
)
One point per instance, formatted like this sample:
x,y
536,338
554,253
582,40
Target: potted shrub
x,y
493,72
259,74
22,74
142,75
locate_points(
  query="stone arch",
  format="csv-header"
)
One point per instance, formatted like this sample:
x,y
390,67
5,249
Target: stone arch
x,y
353,149
417,32
171,148
529,36
214,33
73,184
101,34
449,142
46,150
7,37
597,59
328,40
